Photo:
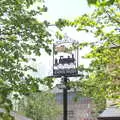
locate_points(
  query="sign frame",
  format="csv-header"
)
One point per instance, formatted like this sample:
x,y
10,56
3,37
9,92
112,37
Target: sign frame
x,y
68,72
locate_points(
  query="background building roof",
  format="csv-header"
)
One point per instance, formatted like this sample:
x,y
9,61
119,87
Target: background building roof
x,y
110,112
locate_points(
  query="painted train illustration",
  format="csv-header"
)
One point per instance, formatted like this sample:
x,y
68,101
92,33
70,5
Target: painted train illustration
x,y
63,60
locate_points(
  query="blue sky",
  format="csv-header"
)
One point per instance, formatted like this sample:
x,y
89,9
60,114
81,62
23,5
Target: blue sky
x,y
68,9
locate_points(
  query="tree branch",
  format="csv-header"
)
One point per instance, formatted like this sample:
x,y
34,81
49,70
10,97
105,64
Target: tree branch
x,y
112,18
115,47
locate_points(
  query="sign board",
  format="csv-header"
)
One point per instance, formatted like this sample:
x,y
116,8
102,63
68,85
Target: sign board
x,y
65,58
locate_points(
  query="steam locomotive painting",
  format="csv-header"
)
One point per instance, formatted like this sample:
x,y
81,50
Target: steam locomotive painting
x,y
63,60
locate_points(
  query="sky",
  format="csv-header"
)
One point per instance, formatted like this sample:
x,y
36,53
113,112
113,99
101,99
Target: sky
x,y
68,9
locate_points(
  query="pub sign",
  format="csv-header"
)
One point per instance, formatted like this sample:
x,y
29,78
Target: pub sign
x,y
65,58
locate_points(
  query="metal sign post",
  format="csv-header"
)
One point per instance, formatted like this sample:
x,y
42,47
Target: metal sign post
x,y
65,64
65,100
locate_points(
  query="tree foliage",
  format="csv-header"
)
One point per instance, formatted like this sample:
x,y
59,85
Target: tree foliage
x,y
21,36
40,106
102,2
104,78
106,51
